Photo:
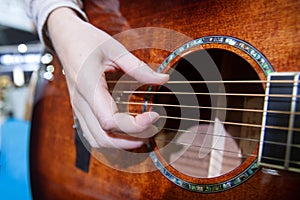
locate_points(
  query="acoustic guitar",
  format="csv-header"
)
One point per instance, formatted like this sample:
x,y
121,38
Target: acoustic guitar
x,y
230,123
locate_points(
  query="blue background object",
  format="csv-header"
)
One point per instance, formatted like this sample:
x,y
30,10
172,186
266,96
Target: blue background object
x,y
14,160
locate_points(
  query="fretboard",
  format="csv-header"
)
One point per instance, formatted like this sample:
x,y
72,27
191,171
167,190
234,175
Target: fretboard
x,y
280,136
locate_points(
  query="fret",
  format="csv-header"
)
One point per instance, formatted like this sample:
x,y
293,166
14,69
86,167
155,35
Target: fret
x,y
286,153
295,151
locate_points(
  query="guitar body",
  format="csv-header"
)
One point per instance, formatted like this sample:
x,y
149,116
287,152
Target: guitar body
x,y
272,27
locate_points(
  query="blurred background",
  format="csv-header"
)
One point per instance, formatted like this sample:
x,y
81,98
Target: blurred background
x,y
20,52
20,55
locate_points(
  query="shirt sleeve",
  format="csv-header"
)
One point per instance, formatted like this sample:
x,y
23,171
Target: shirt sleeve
x,y
39,10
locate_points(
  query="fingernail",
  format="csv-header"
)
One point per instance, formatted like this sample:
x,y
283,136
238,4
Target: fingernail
x,y
162,75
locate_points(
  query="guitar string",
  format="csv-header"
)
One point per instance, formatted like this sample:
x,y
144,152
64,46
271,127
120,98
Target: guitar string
x,y
243,155
234,137
226,136
205,93
227,123
212,82
207,107
231,109
234,123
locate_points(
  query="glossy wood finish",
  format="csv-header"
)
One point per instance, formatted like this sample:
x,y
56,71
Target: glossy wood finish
x,y
271,26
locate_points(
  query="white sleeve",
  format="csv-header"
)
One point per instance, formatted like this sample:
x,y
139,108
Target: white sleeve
x,y
39,10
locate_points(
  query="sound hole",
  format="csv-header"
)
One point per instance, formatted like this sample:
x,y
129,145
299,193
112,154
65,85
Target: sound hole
x,y
204,137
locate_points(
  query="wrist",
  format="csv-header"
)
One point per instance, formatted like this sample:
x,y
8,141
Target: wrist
x,y
61,20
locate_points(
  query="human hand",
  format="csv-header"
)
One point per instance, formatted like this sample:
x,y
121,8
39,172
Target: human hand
x,y
86,54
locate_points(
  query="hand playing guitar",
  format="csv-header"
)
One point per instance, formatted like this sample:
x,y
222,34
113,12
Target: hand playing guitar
x,y
77,44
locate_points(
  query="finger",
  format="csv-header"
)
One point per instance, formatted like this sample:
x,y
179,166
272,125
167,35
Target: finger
x,y
95,134
75,101
122,141
130,64
134,126
88,121
139,70
92,87
147,118
106,111
123,122
106,114
147,133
